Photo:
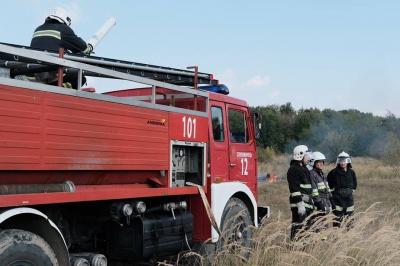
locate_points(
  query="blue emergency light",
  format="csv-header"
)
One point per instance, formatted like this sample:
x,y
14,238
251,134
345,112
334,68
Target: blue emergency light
x,y
221,88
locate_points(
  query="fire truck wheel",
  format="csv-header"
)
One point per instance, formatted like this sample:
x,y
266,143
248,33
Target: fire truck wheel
x,y
236,226
23,248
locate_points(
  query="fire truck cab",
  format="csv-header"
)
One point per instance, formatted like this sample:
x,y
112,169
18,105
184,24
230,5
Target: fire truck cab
x,y
126,175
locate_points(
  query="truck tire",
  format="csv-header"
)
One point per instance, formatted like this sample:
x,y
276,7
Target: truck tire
x,y
23,248
236,231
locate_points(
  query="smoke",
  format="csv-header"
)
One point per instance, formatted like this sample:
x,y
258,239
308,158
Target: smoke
x,y
359,134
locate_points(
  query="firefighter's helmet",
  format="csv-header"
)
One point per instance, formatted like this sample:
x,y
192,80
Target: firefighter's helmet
x,y
299,152
317,156
344,156
61,15
310,162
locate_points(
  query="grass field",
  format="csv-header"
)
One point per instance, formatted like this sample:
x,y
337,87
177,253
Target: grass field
x,y
372,238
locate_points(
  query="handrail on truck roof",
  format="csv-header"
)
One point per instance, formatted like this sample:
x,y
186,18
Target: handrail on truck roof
x,y
25,58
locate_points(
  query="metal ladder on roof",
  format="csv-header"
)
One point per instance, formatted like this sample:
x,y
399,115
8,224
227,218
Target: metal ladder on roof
x,y
20,59
181,77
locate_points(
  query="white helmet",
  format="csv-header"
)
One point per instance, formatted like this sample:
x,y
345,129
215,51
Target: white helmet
x,y
310,162
317,156
345,156
61,15
299,152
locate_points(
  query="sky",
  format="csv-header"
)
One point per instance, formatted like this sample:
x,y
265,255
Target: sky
x,y
314,54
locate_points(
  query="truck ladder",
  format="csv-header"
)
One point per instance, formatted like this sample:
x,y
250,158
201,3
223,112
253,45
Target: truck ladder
x,y
165,74
13,58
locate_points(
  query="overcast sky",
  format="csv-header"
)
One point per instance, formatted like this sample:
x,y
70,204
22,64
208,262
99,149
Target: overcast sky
x,y
323,54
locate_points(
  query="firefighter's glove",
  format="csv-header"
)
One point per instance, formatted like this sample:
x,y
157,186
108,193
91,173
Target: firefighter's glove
x,y
305,198
327,210
319,206
301,210
89,49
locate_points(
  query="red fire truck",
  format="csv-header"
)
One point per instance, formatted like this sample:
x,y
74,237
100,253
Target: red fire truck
x,y
130,175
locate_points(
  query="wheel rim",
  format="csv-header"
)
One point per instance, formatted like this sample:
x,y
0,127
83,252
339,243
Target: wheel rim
x,y
240,230
238,234
235,224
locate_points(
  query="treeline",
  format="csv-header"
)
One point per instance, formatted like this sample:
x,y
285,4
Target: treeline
x,y
328,131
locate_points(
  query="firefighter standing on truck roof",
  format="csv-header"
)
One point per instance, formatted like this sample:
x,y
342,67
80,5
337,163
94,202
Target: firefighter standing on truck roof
x,y
52,35
299,180
343,182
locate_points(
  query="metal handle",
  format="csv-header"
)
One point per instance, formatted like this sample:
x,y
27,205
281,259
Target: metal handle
x,y
232,164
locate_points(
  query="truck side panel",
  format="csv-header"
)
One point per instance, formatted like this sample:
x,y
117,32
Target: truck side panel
x,y
47,131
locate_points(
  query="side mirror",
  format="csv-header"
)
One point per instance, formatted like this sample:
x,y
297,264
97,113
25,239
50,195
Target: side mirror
x,y
257,119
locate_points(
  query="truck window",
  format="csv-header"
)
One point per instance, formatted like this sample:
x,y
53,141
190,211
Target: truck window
x,y
217,123
238,131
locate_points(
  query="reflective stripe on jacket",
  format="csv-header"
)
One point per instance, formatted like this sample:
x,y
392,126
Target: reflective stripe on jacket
x,y
52,35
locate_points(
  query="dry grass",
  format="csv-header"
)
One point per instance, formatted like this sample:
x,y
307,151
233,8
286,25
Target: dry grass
x,y
371,237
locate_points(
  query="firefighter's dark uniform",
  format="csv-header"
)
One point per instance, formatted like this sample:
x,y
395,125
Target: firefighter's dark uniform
x,y
51,36
323,199
299,180
342,185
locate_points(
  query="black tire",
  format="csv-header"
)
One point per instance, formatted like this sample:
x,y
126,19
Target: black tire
x,y
236,230
23,248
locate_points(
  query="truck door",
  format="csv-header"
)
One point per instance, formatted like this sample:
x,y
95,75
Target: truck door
x,y
219,155
242,151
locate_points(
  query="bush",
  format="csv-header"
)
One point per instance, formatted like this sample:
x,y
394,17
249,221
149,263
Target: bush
x,y
265,154
391,155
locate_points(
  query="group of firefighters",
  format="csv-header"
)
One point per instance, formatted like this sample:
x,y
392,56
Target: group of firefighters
x,y
314,193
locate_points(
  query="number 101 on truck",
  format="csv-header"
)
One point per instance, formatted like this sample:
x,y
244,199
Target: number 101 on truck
x,y
127,175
